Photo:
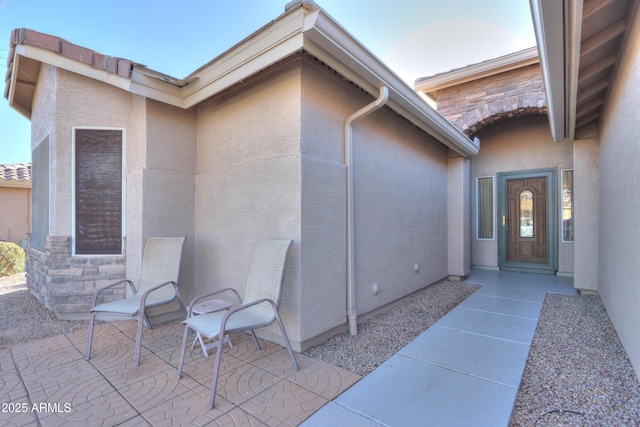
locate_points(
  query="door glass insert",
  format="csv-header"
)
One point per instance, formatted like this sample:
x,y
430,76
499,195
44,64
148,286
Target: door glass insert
x,y
526,213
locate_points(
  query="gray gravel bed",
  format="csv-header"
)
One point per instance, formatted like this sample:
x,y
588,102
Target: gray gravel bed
x,y
23,318
577,373
385,334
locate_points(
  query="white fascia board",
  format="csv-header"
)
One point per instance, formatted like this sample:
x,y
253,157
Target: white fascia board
x,y
273,43
572,52
548,23
144,84
488,68
329,42
72,65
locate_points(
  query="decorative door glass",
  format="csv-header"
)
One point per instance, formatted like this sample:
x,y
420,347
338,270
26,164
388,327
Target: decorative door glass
x,y
526,213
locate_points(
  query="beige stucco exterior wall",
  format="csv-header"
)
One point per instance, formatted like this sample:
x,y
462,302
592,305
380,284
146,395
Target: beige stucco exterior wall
x,y
15,213
400,199
458,214
160,159
517,145
326,102
247,185
271,164
586,211
619,228
400,209
167,179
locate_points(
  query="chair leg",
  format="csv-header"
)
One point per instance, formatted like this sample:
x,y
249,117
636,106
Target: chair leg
x,y
216,371
141,319
87,353
286,340
184,347
255,339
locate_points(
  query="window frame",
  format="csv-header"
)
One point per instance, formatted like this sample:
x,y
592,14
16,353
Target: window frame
x,y
493,207
73,189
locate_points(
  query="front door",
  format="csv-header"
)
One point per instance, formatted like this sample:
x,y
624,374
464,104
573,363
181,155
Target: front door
x,y
527,216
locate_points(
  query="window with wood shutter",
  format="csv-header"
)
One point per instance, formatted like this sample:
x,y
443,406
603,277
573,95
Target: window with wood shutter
x,y
98,191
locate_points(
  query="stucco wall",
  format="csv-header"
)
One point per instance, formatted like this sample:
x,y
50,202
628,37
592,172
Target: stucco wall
x,y
619,158
517,145
168,185
400,199
586,222
248,183
15,213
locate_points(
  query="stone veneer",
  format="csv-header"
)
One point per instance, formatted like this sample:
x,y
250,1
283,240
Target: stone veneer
x,y
65,283
474,105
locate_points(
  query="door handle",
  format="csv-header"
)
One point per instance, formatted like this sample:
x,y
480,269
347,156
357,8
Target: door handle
x,y
504,220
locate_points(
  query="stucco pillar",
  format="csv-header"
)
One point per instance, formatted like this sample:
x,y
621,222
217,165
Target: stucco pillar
x,y
586,216
458,211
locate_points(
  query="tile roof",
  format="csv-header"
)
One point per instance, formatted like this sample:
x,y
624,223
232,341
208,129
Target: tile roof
x,y
19,172
110,64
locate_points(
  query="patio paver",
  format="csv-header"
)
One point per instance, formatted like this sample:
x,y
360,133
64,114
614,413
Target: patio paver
x,y
256,387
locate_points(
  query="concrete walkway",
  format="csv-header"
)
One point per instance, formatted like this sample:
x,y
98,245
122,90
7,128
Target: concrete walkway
x,y
464,370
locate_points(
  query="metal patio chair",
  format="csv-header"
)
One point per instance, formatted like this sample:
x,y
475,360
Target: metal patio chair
x,y
258,309
157,285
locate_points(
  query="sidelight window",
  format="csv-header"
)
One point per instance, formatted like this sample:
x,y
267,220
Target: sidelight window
x,y
484,208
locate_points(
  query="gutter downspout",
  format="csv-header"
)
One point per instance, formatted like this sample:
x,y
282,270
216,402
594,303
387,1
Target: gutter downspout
x,y
348,160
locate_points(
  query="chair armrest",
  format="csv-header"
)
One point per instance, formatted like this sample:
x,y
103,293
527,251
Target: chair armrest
x,y
243,307
143,299
97,291
201,297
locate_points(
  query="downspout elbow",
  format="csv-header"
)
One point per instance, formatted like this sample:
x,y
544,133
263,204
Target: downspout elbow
x,y
352,316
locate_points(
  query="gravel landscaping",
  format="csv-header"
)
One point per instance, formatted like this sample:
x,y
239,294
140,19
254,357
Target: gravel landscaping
x,y
23,318
577,373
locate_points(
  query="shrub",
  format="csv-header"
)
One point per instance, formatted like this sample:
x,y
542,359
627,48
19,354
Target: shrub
x,y
11,259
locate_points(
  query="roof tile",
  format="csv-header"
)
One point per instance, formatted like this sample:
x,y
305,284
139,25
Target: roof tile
x,y
17,172
75,52
34,38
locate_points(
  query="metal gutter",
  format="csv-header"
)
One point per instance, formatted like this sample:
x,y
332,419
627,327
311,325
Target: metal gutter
x,y
548,23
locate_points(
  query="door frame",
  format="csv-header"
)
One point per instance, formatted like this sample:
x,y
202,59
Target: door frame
x,y
551,267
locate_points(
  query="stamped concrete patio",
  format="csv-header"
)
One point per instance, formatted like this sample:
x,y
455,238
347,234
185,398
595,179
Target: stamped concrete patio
x,y
48,382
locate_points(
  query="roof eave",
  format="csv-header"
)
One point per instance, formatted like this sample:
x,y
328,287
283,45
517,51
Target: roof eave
x,y
328,41
299,28
474,72
559,60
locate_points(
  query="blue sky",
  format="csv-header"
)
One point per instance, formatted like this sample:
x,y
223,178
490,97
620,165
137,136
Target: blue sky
x,y
415,38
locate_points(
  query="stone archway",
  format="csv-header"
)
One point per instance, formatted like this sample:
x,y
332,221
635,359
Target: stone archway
x,y
479,103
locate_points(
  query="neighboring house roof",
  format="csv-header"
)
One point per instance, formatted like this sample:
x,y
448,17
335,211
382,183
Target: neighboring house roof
x,y
579,64
302,27
18,175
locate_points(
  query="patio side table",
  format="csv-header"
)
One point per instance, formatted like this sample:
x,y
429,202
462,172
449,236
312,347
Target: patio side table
x,y
210,307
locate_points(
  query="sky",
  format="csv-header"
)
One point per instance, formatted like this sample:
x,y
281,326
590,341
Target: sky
x,y
415,38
